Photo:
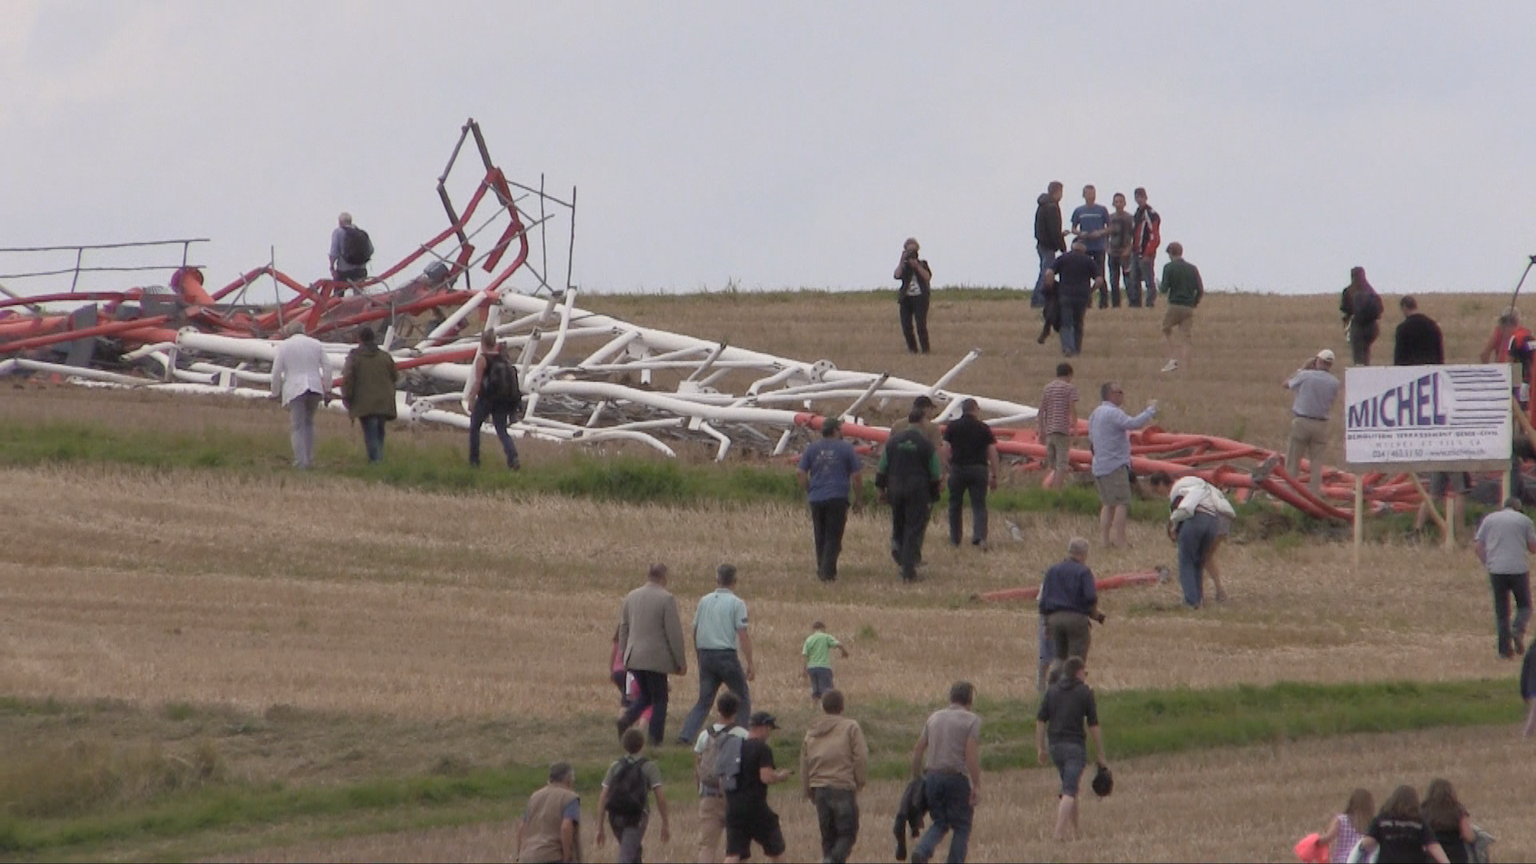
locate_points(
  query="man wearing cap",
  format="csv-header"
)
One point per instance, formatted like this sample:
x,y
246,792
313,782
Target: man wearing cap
x,y
948,758
1316,389
748,818
831,473
970,450
721,641
1502,541
1109,433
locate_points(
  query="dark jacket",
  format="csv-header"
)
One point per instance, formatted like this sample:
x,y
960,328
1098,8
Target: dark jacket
x,y
1068,710
1048,224
909,815
909,464
368,383
1418,342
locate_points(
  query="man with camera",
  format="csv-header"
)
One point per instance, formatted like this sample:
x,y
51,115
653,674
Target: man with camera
x,y
916,279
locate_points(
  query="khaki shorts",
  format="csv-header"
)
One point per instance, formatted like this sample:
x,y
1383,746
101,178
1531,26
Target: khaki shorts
x,y
1114,488
711,825
1177,317
1057,445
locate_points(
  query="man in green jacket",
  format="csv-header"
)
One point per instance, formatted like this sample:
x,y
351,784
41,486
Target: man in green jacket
x,y
368,390
1183,288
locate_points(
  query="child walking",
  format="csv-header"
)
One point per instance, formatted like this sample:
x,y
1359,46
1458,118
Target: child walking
x,y
818,658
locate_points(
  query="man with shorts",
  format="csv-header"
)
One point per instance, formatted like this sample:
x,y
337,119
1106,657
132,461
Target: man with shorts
x,y
1068,601
1109,432
1056,422
1184,289
748,818
706,755
1068,707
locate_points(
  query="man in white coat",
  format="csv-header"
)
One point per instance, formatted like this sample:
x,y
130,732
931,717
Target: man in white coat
x,y
1198,512
301,379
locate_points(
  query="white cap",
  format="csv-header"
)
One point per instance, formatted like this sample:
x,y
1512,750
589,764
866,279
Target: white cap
x,y
1325,355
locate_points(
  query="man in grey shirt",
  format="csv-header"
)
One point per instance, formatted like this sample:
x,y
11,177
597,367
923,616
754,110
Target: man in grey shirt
x,y
1315,389
948,758
1503,539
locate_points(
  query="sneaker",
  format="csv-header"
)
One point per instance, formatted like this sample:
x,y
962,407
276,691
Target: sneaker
x,y
1171,366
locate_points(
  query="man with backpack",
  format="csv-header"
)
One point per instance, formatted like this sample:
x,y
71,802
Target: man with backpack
x,y
623,801
494,392
706,753
747,770
351,250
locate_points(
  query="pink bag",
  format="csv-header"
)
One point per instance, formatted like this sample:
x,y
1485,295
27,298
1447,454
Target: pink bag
x,y
1311,850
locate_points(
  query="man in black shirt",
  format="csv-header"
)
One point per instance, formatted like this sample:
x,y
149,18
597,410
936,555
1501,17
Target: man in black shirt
x,y
970,449
1075,275
1418,341
748,818
1050,240
1067,708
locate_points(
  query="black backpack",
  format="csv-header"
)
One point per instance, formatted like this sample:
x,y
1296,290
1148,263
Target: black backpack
x,y
356,248
500,385
627,792
1368,307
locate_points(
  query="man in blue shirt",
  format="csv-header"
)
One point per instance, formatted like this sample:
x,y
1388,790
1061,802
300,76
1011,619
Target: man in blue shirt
x,y
1109,433
719,631
1090,222
1068,599
830,472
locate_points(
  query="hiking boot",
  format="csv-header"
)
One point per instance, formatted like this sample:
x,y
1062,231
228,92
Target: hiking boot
x,y
1171,366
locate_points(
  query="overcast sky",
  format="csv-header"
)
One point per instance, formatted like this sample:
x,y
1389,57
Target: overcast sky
x,y
788,144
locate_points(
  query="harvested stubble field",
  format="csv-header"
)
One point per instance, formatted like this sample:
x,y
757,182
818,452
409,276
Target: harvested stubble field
x,y
329,628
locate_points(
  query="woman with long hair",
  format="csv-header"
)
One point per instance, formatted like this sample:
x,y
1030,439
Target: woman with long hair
x,y
1348,827
1361,307
1400,832
1449,820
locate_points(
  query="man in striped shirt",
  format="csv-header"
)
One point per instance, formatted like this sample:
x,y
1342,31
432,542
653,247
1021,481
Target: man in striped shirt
x,y
1056,422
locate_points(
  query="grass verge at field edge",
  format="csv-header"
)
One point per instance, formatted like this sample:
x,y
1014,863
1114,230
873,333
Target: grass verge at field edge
x,y
1136,723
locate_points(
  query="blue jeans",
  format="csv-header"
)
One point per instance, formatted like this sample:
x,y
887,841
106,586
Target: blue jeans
x,y
499,420
373,435
1037,296
715,668
949,805
1073,312
1195,538
1070,759
1143,273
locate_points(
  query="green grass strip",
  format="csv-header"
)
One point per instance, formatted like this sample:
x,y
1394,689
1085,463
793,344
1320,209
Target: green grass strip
x,y
441,466
1135,723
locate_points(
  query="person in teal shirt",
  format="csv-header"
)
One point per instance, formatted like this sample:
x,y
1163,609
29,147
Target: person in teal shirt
x,y
818,658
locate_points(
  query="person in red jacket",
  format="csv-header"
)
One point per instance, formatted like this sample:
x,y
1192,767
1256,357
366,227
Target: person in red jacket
x,y
1147,235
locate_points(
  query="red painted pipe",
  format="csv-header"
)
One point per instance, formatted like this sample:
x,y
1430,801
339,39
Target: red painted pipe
x,y
1108,583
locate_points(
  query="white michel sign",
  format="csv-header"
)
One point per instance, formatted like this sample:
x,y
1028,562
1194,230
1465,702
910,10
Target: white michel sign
x,y
1455,417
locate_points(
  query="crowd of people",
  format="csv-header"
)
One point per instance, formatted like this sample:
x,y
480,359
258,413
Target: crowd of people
x,y
1404,830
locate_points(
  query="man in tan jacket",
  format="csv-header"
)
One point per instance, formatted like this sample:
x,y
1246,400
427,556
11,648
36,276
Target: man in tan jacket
x,y
833,762
651,643
551,826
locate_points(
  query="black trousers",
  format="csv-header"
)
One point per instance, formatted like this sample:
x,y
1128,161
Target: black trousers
x,y
828,520
972,480
1506,587
914,313
909,523
837,815
653,695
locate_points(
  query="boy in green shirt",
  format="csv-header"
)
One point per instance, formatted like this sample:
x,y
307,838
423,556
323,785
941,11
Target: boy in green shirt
x,y
818,658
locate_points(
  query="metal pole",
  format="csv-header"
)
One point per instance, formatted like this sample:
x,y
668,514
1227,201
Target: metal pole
x,y
570,254
79,254
1521,282
543,234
